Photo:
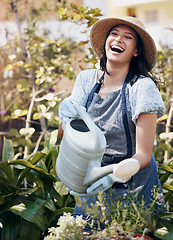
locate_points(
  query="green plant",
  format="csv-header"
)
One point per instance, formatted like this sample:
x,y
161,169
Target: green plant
x,y
33,66
30,198
164,228
121,221
163,151
167,181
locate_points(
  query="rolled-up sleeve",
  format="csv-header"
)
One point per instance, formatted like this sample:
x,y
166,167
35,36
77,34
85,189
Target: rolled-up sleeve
x,y
83,85
145,98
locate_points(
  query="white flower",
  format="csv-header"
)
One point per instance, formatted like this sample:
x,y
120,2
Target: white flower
x,y
67,226
80,222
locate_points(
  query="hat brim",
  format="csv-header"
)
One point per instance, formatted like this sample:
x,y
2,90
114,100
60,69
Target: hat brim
x,y
101,28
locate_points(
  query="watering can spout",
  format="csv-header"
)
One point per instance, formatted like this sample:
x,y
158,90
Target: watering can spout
x,y
96,172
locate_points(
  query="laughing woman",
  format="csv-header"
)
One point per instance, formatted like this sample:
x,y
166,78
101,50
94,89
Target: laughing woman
x,y
123,99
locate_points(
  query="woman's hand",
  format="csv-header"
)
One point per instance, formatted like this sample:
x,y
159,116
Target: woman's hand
x,y
67,110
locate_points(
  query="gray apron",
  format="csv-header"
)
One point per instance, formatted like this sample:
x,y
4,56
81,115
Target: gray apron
x,y
113,117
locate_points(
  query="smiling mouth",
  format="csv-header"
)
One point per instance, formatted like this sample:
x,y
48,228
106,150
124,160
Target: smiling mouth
x,y
117,49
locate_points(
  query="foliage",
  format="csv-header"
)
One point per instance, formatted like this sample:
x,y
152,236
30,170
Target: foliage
x,y
120,222
30,198
167,182
163,71
33,65
164,228
163,151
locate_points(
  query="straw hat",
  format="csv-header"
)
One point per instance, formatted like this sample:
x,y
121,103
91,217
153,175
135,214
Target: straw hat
x,y
101,28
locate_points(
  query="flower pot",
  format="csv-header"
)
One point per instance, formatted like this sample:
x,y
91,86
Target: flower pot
x,y
139,236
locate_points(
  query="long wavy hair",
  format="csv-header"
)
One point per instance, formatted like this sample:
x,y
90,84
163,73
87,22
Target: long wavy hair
x,y
139,67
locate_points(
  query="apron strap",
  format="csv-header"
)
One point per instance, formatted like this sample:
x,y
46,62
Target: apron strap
x,y
95,89
115,159
125,119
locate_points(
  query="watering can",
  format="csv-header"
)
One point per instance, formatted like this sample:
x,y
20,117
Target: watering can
x,y
81,150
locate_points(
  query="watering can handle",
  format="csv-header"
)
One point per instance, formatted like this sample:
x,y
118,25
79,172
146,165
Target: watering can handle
x,y
126,168
89,122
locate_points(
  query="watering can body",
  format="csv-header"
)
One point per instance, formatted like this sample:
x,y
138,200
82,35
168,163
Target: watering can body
x,y
81,150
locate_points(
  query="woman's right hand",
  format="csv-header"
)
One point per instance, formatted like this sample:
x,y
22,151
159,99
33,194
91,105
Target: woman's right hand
x,y
67,110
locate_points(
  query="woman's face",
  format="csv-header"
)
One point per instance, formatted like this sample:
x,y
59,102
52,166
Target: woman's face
x,y
121,44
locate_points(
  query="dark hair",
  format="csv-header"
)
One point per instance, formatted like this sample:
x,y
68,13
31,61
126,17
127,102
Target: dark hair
x,y
139,67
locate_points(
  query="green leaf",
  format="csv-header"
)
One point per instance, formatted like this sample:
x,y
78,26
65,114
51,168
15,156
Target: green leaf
x,y
91,22
11,226
7,171
164,117
50,205
48,189
37,116
61,188
168,187
27,65
167,168
8,203
168,197
27,131
76,16
41,164
74,6
33,160
28,229
62,11
30,211
165,233
13,132
8,151
53,137
28,191
30,166
165,136
51,159
19,112
50,139
3,179
167,215
164,177
7,188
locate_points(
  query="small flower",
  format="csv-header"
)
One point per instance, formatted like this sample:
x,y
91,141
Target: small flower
x,y
67,227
